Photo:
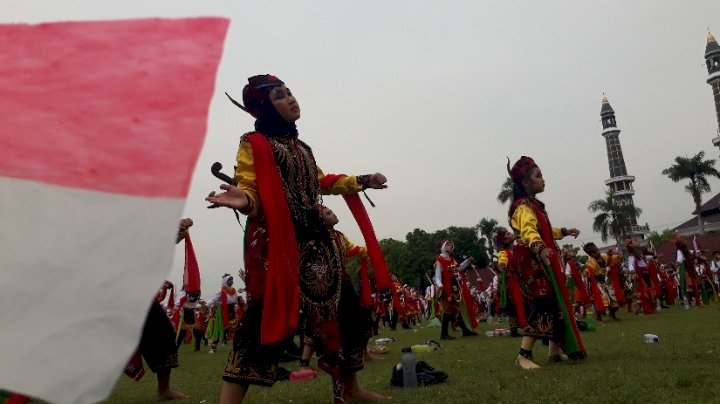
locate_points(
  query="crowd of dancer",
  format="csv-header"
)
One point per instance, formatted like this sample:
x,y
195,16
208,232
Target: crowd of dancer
x,y
296,282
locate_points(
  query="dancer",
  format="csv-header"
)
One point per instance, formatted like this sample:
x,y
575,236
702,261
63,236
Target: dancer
x,y
598,266
354,324
505,240
453,301
540,270
223,313
157,341
289,254
687,275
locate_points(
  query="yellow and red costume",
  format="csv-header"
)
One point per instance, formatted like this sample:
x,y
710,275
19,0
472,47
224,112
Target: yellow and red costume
x,y
291,257
455,296
604,297
543,285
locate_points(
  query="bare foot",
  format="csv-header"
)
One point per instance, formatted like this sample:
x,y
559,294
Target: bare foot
x,y
170,394
361,395
525,363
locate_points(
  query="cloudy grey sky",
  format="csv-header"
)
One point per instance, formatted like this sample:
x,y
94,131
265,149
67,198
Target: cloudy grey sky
x,y
435,94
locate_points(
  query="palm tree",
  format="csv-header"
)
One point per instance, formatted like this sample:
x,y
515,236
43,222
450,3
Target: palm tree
x,y
487,228
696,170
506,191
615,219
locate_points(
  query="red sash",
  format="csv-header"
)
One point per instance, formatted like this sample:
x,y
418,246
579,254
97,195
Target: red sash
x,y
467,297
654,277
597,297
191,274
579,283
282,291
615,282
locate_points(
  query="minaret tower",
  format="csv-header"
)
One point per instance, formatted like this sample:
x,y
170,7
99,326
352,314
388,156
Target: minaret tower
x,y
620,183
712,60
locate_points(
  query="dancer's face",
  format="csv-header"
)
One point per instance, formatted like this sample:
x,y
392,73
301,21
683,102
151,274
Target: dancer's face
x,y
329,217
449,247
285,103
534,182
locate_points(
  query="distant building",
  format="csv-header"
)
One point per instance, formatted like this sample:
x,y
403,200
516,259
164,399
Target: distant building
x,y
709,214
620,183
712,60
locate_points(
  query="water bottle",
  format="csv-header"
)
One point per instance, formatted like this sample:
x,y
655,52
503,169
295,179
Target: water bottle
x,y
409,372
651,338
302,375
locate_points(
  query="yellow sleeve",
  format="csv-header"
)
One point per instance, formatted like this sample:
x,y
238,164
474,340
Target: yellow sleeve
x,y
591,266
557,233
345,185
245,176
502,260
349,246
525,222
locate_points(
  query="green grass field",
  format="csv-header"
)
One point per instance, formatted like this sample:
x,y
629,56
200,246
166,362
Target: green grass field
x,y
621,368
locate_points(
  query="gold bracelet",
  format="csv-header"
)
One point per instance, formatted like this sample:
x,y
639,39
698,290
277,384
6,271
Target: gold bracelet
x,y
537,246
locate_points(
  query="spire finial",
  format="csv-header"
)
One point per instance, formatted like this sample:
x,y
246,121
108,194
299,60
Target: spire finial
x,y
710,37
604,99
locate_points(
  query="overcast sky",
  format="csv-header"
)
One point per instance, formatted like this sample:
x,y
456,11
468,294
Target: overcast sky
x,y
435,94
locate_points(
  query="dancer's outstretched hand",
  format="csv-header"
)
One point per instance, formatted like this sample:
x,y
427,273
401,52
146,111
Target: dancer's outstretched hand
x,y
377,181
233,197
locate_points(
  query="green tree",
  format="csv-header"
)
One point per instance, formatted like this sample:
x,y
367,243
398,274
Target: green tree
x,y
423,248
657,238
696,170
488,228
614,219
506,191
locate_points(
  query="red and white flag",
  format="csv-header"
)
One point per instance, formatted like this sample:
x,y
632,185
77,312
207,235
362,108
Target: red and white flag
x,y
101,124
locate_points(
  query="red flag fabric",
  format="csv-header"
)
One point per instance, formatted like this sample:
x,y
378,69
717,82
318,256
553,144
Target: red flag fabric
x,y
101,124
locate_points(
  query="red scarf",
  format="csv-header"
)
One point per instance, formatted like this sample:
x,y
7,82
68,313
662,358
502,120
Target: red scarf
x,y
615,282
654,277
382,277
191,274
469,301
446,264
597,297
282,291
365,295
516,295
579,284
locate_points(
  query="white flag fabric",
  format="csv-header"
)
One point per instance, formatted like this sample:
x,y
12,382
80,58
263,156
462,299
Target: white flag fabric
x,y
101,124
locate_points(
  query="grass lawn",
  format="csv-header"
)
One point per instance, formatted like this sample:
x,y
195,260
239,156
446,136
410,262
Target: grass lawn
x,y
621,368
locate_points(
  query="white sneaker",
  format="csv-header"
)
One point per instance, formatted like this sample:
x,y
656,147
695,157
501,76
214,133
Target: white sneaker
x,y
211,351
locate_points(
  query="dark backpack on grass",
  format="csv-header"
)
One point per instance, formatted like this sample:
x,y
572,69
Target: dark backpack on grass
x,y
426,375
